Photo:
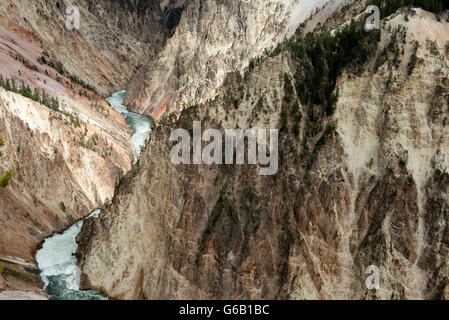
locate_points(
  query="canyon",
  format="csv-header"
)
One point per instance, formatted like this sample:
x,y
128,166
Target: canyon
x,y
65,157
362,175
212,39
364,186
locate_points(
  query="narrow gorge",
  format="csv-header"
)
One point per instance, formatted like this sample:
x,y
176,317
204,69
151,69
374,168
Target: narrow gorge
x,y
56,260
94,206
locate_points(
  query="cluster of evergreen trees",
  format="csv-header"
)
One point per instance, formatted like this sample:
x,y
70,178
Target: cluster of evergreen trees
x,y
36,95
82,83
54,64
388,7
322,57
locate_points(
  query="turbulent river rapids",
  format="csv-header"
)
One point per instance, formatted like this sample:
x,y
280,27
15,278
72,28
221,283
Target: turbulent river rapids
x,y
56,260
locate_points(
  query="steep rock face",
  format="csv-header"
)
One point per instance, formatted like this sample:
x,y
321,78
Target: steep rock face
x,y
147,21
66,163
114,36
212,39
371,193
62,171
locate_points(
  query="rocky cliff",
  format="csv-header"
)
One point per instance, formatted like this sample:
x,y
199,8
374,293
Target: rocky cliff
x,y
212,39
113,39
362,180
63,169
66,157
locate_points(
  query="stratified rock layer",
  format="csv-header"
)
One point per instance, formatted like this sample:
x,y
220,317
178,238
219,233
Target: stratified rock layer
x,y
114,37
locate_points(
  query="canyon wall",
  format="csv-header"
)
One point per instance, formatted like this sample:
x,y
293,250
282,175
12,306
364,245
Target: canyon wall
x,y
86,138
212,39
62,170
66,159
364,186
114,38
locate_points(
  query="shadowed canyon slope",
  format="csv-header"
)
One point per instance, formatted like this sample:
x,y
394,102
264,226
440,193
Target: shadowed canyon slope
x,y
362,180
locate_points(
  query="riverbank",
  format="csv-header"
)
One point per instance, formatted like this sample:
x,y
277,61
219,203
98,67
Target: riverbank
x,y
19,280
56,259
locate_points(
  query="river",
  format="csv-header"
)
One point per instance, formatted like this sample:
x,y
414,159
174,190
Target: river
x,y
56,259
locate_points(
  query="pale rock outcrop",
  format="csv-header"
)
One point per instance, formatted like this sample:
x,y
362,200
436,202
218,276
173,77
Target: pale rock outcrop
x,y
212,39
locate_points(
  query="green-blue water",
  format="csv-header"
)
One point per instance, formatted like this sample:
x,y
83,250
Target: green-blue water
x,y
56,259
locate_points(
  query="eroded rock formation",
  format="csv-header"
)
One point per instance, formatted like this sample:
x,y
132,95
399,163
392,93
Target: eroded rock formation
x,y
213,38
370,191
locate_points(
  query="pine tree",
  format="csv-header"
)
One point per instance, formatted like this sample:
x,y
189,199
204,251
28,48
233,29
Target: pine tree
x,y
44,100
36,96
4,181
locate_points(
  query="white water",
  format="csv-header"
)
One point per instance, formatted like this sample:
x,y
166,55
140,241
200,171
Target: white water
x,y
139,123
58,265
56,259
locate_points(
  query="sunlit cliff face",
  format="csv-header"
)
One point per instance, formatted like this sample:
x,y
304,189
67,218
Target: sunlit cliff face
x,y
367,195
336,186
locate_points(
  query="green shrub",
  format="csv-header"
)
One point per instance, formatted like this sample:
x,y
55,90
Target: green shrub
x,y
4,181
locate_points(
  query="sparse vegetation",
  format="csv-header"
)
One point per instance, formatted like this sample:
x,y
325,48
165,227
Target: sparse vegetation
x,y
20,276
36,95
322,57
389,7
92,141
4,181
392,51
223,206
432,46
290,107
82,84
40,97
99,107
46,60
25,62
